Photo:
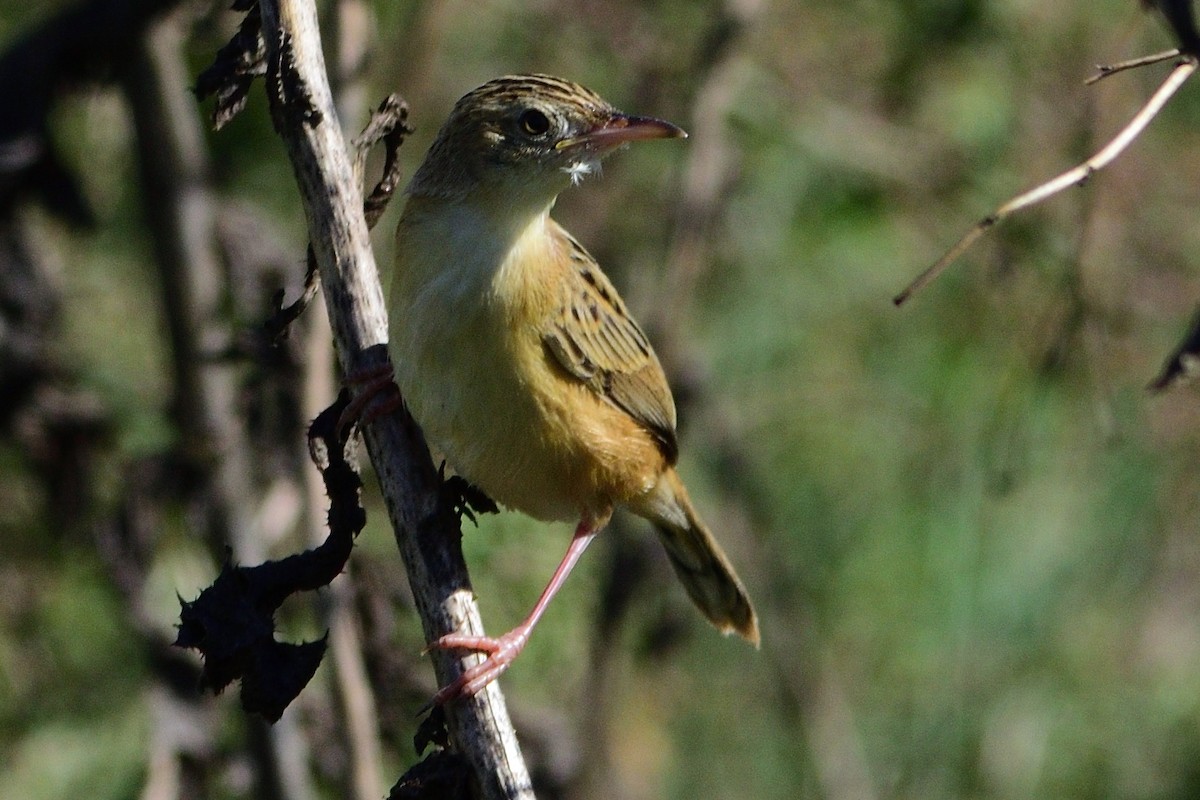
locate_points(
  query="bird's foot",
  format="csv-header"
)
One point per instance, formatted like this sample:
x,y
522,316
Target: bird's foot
x,y
501,652
377,396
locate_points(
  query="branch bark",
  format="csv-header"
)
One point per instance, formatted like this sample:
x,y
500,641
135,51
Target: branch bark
x,y
428,537
352,36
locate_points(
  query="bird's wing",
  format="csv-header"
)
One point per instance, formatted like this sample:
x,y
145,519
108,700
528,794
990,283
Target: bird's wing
x,y
595,340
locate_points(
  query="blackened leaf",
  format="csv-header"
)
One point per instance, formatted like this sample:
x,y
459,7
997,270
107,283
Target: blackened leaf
x,y
442,775
278,674
432,730
465,498
232,73
232,622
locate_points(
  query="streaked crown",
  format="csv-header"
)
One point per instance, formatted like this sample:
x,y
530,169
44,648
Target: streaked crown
x,y
532,133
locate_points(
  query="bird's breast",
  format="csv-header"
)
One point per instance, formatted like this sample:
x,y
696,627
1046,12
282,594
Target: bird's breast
x,y
470,364
467,324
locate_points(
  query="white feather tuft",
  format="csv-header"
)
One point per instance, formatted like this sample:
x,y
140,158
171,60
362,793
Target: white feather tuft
x,y
578,170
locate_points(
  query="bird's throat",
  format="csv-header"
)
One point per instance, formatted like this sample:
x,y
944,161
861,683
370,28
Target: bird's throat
x,y
477,246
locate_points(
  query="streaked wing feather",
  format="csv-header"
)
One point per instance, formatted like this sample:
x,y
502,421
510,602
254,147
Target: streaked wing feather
x,y
594,339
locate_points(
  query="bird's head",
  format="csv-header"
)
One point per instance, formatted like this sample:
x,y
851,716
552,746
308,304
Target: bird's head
x,y
528,137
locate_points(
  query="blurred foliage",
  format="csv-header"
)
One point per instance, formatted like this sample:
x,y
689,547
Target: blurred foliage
x,y
971,533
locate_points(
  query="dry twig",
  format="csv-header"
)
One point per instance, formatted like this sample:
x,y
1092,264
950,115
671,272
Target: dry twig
x,y
1077,176
1105,70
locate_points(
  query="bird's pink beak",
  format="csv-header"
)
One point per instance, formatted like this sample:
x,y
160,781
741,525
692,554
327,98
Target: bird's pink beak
x,y
622,128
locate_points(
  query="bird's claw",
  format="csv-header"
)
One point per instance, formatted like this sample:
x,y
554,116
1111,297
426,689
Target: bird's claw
x,y
501,652
377,396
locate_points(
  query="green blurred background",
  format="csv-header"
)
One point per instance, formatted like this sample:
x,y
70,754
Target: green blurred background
x,y
970,530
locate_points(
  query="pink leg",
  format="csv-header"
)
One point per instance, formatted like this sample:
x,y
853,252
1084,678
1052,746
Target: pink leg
x,y
502,650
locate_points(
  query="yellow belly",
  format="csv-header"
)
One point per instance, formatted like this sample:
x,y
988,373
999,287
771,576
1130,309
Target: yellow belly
x,y
473,369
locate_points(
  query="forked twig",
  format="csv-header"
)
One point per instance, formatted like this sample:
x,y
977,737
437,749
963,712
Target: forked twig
x,y
1074,177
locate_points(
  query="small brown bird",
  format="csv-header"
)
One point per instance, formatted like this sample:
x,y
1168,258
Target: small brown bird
x,y
517,356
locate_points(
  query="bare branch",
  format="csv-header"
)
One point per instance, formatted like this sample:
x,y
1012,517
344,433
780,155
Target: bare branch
x,y
1076,176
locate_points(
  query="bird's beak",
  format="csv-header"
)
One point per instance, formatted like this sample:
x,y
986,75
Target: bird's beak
x,y
622,128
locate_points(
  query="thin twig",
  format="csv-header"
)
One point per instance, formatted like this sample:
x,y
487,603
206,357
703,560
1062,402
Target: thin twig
x,y
1105,70
1076,176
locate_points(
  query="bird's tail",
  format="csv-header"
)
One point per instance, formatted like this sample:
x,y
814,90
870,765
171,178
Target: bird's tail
x,y
699,561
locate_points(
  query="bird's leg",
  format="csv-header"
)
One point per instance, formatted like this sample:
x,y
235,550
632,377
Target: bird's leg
x,y
370,402
503,650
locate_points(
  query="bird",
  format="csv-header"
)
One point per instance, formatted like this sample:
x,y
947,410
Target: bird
x,y
519,360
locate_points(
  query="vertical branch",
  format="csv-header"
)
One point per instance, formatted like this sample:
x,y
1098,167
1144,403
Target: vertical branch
x,y
428,537
352,36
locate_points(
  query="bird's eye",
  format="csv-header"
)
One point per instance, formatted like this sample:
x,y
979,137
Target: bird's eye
x,y
534,122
